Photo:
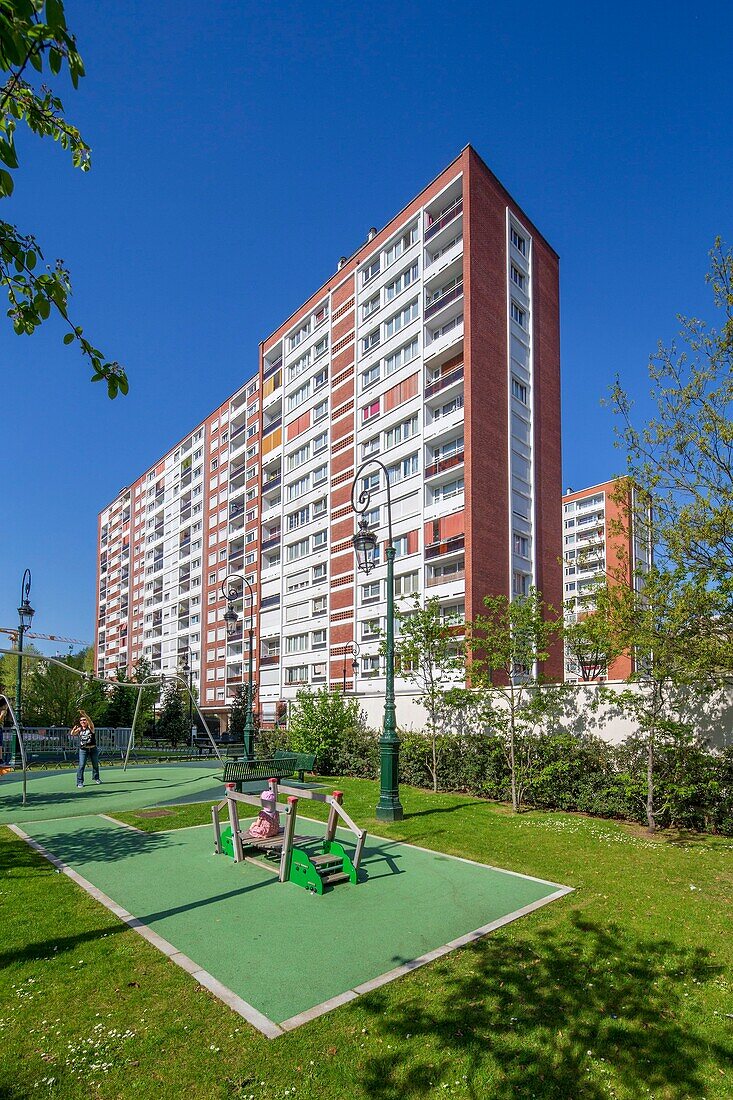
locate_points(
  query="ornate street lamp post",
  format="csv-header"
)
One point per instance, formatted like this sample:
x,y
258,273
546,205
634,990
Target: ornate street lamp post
x,y
231,618
185,659
389,807
353,649
25,618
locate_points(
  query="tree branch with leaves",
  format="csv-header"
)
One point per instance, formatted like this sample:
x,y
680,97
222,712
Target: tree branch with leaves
x,y
34,38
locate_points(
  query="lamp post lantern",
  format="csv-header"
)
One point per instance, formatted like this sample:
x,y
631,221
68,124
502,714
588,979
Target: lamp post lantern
x,y
25,618
354,650
389,807
232,622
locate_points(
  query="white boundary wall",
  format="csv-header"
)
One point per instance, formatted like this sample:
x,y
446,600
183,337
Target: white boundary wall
x,y
713,719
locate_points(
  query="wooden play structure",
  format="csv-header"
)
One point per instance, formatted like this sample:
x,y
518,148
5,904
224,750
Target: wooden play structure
x,y
312,862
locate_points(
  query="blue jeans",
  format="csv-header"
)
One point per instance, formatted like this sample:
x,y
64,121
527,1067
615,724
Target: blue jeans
x,y
84,755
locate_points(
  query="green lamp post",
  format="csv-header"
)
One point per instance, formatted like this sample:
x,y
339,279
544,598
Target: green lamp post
x,y
232,622
389,807
25,618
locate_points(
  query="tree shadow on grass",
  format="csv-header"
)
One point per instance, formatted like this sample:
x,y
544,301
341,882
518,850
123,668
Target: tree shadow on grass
x,y
91,844
556,1017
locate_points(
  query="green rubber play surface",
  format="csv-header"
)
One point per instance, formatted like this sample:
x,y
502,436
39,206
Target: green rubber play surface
x,y
53,794
279,948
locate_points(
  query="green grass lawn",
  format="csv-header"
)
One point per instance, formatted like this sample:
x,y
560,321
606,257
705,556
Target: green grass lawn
x,y
623,989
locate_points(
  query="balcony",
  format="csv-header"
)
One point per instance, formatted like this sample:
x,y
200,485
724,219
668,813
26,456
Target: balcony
x,y
272,483
270,543
446,380
271,659
447,546
445,299
443,464
445,219
447,578
272,369
276,423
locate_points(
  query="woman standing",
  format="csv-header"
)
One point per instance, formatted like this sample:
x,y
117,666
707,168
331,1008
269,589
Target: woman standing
x,y
87,748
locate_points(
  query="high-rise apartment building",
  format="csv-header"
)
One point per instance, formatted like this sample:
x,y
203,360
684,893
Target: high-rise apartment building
x,y
434,347
602,540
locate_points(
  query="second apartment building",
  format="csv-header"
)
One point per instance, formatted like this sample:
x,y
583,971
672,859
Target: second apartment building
x,y
435,348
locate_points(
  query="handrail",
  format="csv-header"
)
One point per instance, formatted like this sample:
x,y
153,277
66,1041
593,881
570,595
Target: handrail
x,y
24,763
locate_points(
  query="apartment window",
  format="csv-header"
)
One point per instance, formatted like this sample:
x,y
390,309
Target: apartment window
x,y
520,583
321,348
519,390
320,572
318,639
252,388
320,507
518,241
406,584
400,357
521,545
371,447
298,674
320,474
369,377
297,488
370,483
400,545
252,430
517,277
320,605
320,379
401,432
298,336
296,581
370,271
450,489
370,592
369,307
370,341
320,443
370,629
301,364
399,320
319,672
320,539
297,397
370,410
251,452
406,467
251,473
215,464
518,315
398,247
297,550
320,410
296,643
405,279
370,666
298,457
299,518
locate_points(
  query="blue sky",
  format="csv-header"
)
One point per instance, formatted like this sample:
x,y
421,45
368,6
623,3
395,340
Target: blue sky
x,y
240,149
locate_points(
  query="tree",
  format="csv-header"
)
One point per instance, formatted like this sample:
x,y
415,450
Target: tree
x,y
507,647
173,720
670,622
35,42
319,721
683,457
238,712
426,653
590,644
122,700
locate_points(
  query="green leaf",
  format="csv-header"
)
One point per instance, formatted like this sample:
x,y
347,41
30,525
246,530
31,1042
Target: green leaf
x,y
55,16
6,183
69,338
30,260
7,153
54,61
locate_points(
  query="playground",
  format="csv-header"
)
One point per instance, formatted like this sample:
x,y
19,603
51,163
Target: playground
x,y
276,954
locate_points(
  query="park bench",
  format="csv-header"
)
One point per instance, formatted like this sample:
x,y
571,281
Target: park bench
x,y
280,766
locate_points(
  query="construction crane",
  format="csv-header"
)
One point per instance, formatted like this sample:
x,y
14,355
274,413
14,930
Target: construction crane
x,y
13,632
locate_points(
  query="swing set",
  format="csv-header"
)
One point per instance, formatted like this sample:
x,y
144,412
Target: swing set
x,y
158,680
